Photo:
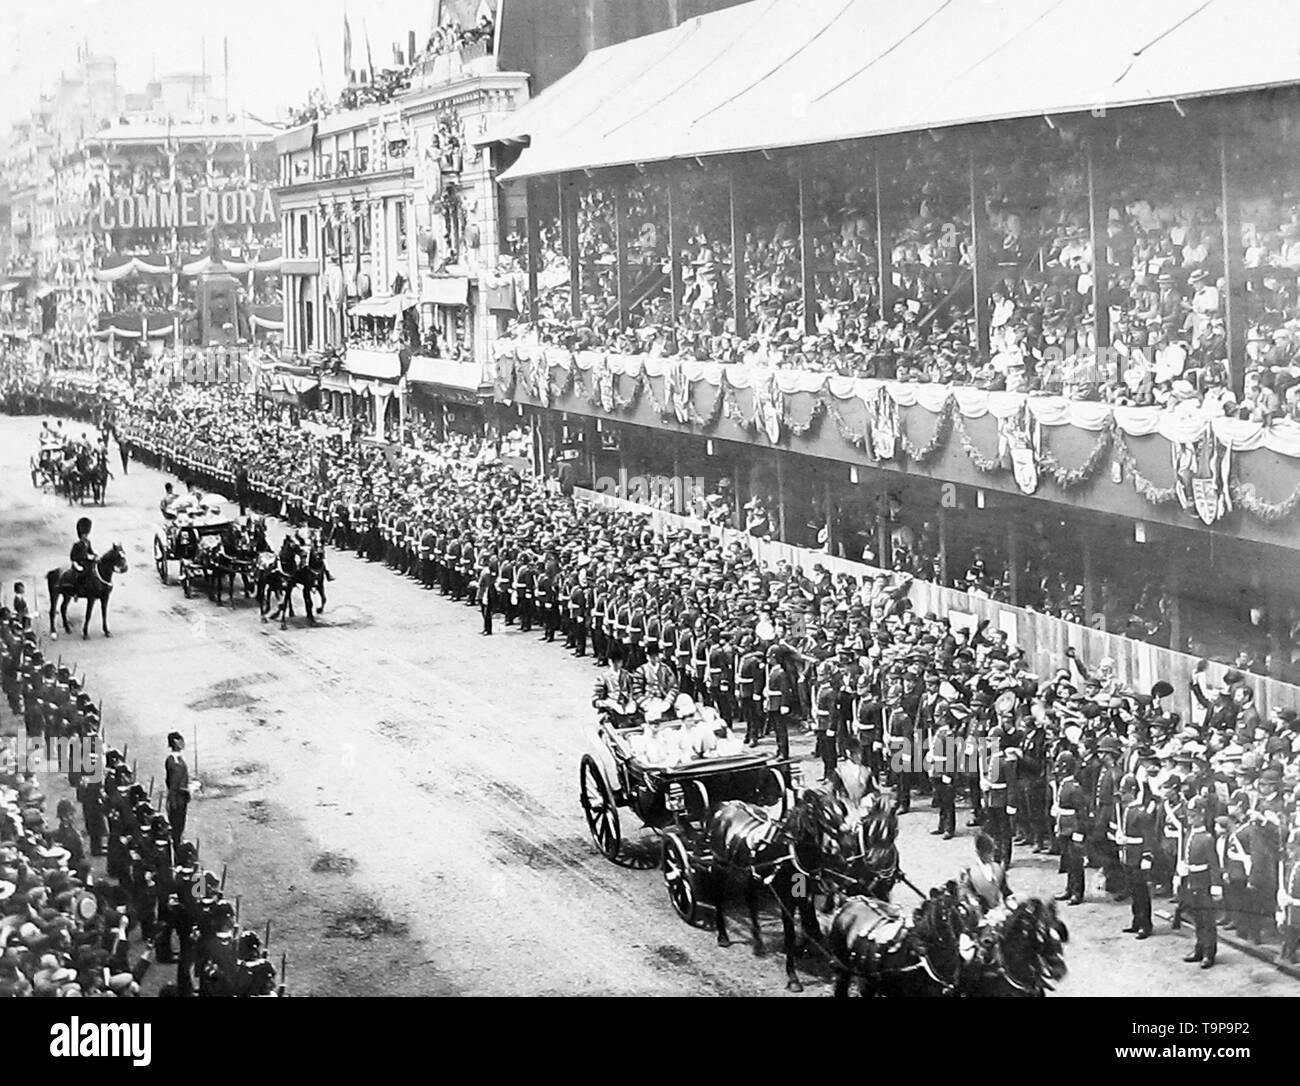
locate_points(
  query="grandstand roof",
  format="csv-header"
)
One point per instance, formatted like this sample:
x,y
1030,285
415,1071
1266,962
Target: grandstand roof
x,y
781,73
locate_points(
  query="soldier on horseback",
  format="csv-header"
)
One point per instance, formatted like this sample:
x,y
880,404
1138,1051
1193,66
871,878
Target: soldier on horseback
x,y
83,554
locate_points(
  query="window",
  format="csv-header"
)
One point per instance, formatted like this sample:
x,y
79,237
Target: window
x,y
326,166
363,159
345,163
304,243
399,219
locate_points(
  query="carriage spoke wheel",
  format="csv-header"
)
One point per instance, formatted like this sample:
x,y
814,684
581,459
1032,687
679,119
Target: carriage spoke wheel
x,y
160,559
598,806
678,877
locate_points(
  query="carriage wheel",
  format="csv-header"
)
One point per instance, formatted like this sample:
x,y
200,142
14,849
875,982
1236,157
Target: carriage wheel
x,y
679,878
598,805
160,559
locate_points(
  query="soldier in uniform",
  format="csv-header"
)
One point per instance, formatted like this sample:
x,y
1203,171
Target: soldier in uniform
x,y
1203,884
525,584
750,680
1070,813
548,603
1137,842
777,696
82,555
1000,784
176,774
901,736
941,752
721,672
1105,818
485,596
826,711
579,604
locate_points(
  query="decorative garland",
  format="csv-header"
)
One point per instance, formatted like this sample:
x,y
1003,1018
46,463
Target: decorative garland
x,y
847,433
920,454
814,416
983,463
1073,478
733,411
565,385
1156,495
1247,497
709,421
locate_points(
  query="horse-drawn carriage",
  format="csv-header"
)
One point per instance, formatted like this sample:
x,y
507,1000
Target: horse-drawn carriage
x,y
671,775
45,470
212,550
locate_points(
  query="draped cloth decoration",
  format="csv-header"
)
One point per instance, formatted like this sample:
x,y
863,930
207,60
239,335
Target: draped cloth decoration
x,y
1020,440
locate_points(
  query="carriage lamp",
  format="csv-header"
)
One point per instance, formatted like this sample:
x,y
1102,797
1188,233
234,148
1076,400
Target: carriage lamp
x,y
676,798
796,776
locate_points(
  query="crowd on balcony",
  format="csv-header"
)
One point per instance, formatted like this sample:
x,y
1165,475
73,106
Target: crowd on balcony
x,y
1164,295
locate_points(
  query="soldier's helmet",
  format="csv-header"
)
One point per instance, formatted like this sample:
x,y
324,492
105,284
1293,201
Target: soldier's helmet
x,y
250,946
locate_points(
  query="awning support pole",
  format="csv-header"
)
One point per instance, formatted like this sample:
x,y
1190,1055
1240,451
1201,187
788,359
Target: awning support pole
x,y
532,200
1098,213
979,256
739,307
884,246
569,205
620,256
1234,272
674,254
807,265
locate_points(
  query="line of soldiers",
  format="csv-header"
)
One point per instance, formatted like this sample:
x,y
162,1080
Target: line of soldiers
x,y
63,928
923,705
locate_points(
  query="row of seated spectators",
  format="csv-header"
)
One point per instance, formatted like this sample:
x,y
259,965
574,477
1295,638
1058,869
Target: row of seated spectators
x,y
1165,292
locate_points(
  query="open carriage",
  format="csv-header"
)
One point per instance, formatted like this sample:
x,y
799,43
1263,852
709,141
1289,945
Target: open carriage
x,y
670,789
195,546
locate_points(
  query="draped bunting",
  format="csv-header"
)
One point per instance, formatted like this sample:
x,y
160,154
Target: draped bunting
x,y
614,383
158,265
1185,425
262,322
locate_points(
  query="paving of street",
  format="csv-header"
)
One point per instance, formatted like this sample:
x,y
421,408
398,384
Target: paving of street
x,y
399,795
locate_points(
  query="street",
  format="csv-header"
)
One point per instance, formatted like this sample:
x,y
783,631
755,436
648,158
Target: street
x,y
398,795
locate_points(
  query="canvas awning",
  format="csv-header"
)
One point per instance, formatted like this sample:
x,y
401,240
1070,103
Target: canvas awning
x,y
466,376
383,365
388,305
444,290
778,73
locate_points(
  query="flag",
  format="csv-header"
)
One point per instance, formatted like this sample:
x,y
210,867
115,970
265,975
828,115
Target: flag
x,y
347,49
397,55
370,61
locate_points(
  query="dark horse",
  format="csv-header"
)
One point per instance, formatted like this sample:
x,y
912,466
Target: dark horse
x,y
1022,957
65,584
791,855
316,571
892,955
98,474
288,572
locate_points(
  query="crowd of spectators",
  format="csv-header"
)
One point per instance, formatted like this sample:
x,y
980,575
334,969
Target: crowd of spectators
x,y
1165,294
